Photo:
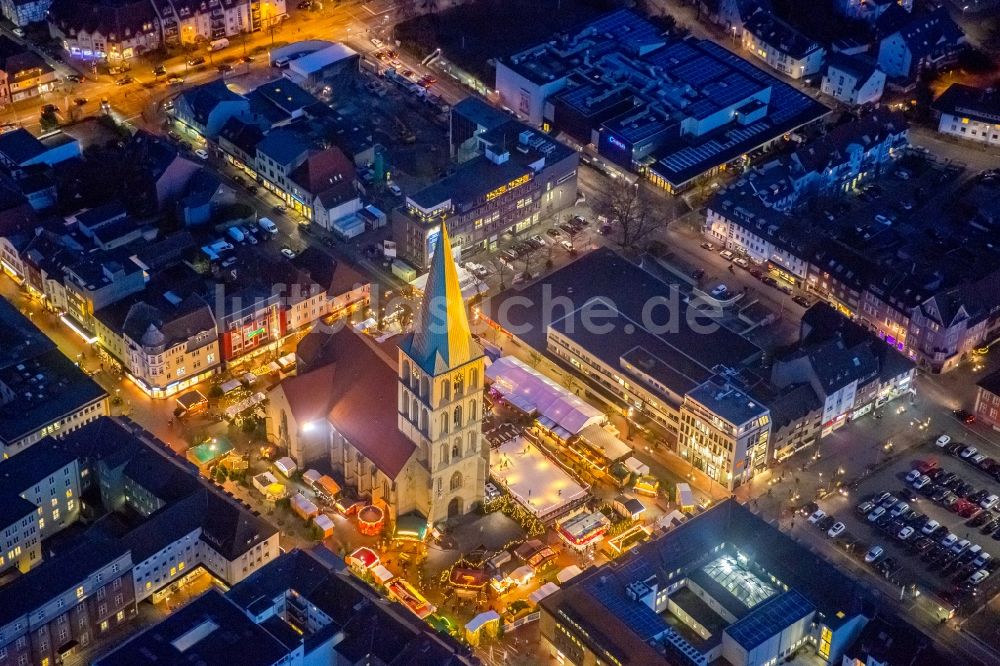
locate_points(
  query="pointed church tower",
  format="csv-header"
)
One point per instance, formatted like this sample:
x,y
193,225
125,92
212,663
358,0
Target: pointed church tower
x,y
440,394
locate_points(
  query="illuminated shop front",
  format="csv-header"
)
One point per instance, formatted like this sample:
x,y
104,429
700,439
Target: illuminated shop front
x,y
253,329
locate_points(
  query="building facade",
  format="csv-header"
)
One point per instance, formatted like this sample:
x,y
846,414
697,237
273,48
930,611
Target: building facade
x,y
968,113
853,80
724,432
128,29
781,46
521,177
987,408
931,40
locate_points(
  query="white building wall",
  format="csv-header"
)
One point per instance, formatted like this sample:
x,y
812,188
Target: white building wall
x,y
969,129
524,97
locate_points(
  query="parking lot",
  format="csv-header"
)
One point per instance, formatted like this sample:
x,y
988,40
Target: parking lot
x,y
937,532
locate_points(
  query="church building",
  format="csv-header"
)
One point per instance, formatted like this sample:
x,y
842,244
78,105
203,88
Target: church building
x,y
403,424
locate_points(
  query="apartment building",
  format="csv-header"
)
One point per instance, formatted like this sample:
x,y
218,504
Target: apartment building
x,y
854,80
724,432
971,114
930,40
117,30
23,73
520,177
782,47
164,342
41,391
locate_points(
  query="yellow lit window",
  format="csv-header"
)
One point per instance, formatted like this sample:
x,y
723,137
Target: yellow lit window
x,y
965,121
79,592
180,566
148,584
825,637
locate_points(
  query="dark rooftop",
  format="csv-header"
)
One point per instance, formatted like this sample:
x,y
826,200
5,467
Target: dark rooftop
x,y
210,631
44,388
627,289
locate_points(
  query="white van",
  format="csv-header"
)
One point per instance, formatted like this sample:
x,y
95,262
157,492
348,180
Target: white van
x,y
236,234
267,225
218,44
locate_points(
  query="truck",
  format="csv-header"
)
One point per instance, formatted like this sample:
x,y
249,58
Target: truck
x,y
685,498
218,44
236,234
267,225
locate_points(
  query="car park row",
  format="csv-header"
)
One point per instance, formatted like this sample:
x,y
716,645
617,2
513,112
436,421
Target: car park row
x,y
895,519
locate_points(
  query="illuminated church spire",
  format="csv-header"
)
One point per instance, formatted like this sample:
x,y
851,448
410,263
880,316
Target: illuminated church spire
x,y
442,339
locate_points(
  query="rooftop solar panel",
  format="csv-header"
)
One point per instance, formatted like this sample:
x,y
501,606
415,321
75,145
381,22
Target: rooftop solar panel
x,y
636,615
770,618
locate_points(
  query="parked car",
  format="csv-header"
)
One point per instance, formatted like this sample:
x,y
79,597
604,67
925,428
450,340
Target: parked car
x,y
742,262
727,255
979,577
874,553
288,252
942,441
818,515
922,482
877,513
968,452
707,246
836,530
949,540
395,189
201,153
900,508
990,502
194,62
905,533
865,508
913,475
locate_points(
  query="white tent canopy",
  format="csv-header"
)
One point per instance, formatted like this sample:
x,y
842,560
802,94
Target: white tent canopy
x,y
478,622
543,591
245,404
605,441
532,392
572,571
382,574
636,466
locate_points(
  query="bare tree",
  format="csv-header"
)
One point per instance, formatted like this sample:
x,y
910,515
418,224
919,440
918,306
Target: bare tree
x,y
629,212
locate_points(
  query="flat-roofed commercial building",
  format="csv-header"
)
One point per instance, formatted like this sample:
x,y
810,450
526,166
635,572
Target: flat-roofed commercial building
x,y
672,109
634,338
725,587
520,177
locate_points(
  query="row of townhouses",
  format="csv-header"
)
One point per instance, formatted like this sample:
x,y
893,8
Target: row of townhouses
x,y
854,69
121,30
927,294
168,309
